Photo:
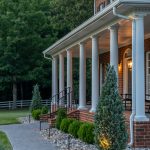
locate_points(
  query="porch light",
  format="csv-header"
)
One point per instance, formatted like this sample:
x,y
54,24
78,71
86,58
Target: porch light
x,y
119,67
130,64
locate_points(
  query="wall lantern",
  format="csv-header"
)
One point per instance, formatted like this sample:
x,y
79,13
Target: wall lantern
x,y
119,67
130,64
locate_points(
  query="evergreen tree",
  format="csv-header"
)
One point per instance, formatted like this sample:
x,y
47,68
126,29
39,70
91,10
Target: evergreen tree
x,y
36,99
110,128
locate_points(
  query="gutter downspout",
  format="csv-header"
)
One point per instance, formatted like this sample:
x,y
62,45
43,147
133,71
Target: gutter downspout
x,y
133,75
49,58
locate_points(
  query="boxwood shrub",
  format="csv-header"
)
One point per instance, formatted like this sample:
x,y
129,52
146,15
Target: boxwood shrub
x,y
65,124
36,114
44,110
74,127
86,134
61,114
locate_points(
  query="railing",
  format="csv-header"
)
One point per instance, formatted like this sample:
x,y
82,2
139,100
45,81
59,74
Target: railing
x,y
20,104
127,101
64,99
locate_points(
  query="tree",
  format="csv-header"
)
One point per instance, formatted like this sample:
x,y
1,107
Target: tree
x,y
28,27
110,128
24,33
68,14
36,99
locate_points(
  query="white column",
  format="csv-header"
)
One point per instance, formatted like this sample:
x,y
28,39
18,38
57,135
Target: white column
x,y
61,74
55,62
114,47
95,69
140,74
133,67
82,83
69,75
52,78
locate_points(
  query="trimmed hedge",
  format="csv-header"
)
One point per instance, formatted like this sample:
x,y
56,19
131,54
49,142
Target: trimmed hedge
x,y
61,114
36,114
74,127
65,124
86,134
44,110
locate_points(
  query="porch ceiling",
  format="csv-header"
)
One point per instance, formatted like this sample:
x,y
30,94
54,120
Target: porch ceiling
x,y
100,23
124,37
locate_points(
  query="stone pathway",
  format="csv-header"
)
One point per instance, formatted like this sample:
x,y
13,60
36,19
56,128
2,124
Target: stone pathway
x,y
27,137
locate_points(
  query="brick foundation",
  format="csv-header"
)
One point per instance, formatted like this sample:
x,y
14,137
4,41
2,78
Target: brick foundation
x,y
142,134
81,115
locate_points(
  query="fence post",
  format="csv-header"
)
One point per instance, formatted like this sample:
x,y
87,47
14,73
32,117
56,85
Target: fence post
x,y
9,105
46,103
21,103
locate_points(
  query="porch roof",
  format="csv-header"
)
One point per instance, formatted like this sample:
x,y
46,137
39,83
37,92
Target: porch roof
x,y
96,24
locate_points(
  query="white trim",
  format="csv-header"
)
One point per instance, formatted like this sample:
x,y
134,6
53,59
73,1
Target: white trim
x,y
101,77
147,87
125,73
76,34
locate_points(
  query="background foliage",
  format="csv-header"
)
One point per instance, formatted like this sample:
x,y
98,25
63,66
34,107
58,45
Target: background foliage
x,y
27,27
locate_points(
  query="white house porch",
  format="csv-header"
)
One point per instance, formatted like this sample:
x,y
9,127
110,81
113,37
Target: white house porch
x,y
120,35
100,34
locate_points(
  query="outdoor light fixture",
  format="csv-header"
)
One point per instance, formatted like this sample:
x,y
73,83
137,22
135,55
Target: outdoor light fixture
x,y
119,67
104,142
130,64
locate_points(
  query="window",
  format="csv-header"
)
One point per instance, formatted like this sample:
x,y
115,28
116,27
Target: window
x,y
148,75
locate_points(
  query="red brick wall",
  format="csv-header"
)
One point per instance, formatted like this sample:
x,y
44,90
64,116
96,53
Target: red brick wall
x,y
84,116
105,59
142,134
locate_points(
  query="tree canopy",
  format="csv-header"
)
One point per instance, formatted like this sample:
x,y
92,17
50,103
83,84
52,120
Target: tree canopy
x,y
27,27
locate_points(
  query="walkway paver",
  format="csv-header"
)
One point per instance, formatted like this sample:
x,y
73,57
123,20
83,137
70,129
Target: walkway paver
x,y
26,137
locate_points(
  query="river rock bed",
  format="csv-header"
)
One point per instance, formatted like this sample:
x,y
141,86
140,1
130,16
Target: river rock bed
x,y
61,140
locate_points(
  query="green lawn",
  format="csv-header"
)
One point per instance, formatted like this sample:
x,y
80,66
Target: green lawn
x,y
4,142
10,116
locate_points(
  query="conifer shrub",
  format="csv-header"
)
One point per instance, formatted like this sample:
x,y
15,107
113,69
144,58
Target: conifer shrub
x,y
2,147
74,127
36,114
36,99
44,110
61,114
65,124
110,129
86,133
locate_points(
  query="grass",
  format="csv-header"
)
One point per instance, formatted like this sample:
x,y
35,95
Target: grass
x,y
11,116
4,142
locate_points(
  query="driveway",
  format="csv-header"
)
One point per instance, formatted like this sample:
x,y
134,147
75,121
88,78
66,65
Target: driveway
x,y
26,137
